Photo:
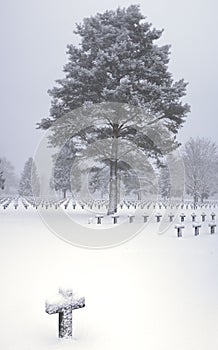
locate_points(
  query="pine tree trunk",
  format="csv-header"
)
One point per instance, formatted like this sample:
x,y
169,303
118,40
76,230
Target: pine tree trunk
x,y
195,201
113,186
64,193
118,188
139,195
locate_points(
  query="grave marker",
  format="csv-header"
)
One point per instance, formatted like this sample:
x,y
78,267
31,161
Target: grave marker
x,y
158,216
64,307
196,229
203,216
212,226
179,228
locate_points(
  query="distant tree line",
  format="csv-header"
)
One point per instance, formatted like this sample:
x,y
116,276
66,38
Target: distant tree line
x,y
2,179
194,174
200,172
8,179
10,184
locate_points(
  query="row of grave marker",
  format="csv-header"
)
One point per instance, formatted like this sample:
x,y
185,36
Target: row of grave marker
x,y
99,204
196,226
158,216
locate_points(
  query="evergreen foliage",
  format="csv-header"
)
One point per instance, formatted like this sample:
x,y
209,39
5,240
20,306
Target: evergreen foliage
x,y
119,63
29,183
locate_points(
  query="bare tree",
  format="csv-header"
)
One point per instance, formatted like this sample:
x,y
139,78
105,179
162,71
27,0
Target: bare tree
x,y
201,165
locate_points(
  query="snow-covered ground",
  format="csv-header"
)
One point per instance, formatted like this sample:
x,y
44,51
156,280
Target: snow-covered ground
x,y
155,292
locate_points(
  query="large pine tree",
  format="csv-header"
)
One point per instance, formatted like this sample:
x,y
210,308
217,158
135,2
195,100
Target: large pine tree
x,y
118,62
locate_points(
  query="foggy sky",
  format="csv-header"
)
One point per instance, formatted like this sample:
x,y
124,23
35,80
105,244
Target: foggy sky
x,y
34,35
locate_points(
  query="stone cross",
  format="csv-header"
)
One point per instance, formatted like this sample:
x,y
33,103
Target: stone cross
x,y
182,216
131,217
64,306
115,218
171,216
158,217
179,228
203,216
145,216
99,217
213,215
196,227
212,226
193,215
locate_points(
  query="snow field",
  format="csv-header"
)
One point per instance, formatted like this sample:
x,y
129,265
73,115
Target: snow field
x,y
155,291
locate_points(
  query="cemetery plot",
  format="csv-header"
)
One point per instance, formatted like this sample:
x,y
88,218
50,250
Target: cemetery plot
x,y
175,218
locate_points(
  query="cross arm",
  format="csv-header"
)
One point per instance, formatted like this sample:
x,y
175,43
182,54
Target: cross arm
x,y
78,304
73,304
53,308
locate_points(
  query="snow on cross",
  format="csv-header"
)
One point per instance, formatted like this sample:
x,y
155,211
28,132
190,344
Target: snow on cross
x,y
64,306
